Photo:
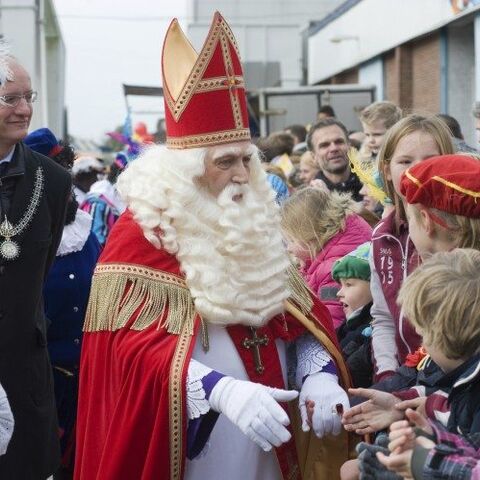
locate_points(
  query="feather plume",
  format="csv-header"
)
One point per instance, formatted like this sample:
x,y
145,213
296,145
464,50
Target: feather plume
x,y
366,170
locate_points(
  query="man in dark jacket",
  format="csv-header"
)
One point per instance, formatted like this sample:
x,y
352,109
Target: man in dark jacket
x,y
328,141
33,199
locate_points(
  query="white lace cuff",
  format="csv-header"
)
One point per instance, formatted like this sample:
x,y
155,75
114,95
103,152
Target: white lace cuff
x,y
312,357
197,403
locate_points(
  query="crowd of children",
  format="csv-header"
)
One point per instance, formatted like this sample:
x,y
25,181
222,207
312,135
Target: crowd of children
x,y
404,297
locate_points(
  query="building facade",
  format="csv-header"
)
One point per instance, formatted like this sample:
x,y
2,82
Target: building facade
x,y
420,55
268,33
31,28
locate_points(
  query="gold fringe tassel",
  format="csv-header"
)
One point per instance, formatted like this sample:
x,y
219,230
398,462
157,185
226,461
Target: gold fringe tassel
x,y
299,290
117,293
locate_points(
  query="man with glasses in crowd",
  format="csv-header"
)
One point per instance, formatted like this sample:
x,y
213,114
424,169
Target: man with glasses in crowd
x,y
33,199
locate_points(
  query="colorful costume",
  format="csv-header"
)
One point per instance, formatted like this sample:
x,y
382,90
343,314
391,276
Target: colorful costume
x,y
65,295
148,372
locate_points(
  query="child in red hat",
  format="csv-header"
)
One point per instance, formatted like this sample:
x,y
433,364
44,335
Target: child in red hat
x,y
443,203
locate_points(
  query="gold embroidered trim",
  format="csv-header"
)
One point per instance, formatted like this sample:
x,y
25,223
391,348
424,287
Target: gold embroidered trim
x,y
443,181
227,60
176,413
458,188
237,113
218,28
169,99
218,83
140,270
194,141
412,178
300,293
228,32
293,470
121,290
197,72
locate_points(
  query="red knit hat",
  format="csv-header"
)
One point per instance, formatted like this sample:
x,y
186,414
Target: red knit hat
x,y
450,183
204,93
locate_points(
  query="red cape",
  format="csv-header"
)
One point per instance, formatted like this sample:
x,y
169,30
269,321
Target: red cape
x,y
132,419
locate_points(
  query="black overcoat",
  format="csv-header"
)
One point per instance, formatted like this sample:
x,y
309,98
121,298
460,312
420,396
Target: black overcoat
x,y
25,372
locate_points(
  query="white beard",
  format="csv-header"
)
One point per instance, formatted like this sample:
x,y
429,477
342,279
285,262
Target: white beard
x,y
233,258
231,252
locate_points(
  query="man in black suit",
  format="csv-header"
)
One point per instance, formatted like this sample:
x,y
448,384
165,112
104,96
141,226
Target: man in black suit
x,y
33,199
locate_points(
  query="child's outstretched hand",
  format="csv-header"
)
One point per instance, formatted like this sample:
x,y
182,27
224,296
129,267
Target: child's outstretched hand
x,y
403,440
417,404
402,434
399,463
377,413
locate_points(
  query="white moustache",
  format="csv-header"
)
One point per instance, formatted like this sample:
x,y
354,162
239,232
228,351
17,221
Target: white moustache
x,y
231,191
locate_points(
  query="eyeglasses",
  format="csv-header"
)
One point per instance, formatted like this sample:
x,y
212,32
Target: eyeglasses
x,y
13,100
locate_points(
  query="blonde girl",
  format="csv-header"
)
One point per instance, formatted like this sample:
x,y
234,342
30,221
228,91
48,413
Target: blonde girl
x,y
321,227
410,141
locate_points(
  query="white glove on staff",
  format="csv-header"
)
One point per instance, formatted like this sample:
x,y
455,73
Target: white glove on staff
x,y
323,389
254,409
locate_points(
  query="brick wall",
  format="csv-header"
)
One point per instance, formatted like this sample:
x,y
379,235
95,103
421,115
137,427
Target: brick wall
x,y
390,86
347,76
399,76
426,74
412,75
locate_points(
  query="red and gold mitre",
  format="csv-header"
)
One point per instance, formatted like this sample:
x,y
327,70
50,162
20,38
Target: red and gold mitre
x,y
205,102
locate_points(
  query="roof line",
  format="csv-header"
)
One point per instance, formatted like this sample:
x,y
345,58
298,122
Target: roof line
x,y
338,12
470,11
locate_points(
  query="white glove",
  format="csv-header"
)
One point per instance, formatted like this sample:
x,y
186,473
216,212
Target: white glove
x,y
323,389
254,409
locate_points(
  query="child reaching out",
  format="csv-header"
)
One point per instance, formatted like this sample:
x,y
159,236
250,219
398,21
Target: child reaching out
x,y
447,456
442,300
441,196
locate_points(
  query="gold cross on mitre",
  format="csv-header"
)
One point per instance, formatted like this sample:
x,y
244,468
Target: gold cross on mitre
x,y
231,80
255,343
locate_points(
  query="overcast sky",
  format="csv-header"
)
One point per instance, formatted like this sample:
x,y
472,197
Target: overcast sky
x,y
108,43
